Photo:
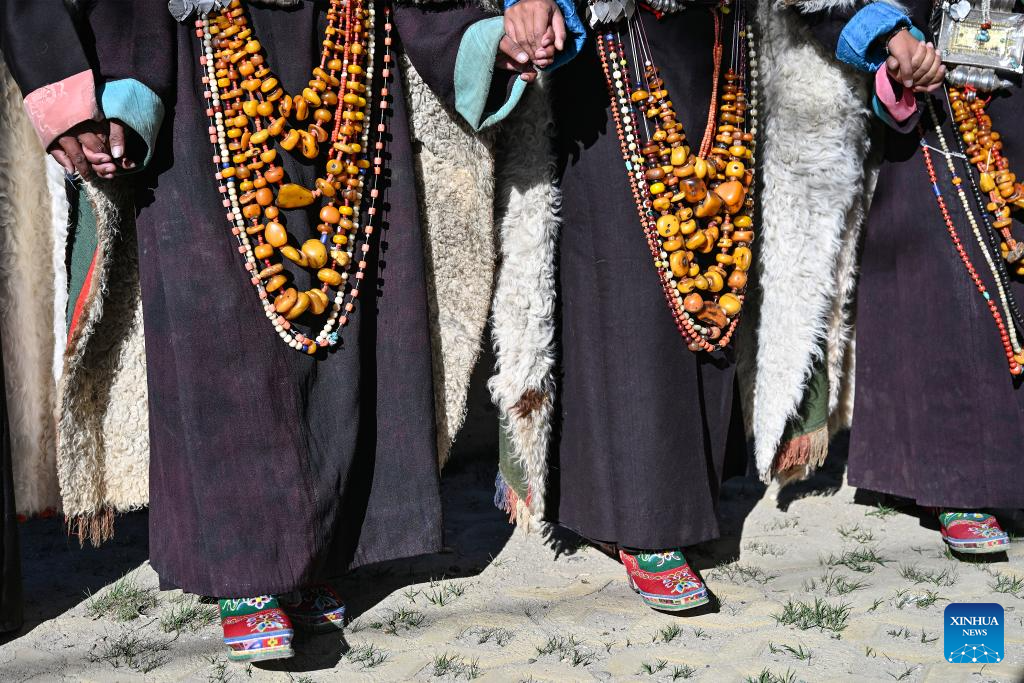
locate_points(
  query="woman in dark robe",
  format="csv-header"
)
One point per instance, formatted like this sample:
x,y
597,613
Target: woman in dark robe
x,y
639,443
272,471
938,414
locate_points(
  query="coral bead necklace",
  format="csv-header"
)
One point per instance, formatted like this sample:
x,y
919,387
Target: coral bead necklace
x,y
695,206
253,120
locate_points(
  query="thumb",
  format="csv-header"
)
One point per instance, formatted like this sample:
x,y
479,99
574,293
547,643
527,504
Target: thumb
x,y
892,65
558,24
116,140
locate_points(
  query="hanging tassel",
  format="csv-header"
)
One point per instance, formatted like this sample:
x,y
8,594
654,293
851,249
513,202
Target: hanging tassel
x,y
798,458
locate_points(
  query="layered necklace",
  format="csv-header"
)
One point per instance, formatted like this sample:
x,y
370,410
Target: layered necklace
x,y
253,121
1001,304
696,205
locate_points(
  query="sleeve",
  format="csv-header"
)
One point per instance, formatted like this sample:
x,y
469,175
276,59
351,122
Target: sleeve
x,y
463,76
133,47
47,59
852,32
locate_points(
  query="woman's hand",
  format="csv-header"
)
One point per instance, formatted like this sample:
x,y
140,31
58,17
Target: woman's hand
x,y
537,28
914,63
93,148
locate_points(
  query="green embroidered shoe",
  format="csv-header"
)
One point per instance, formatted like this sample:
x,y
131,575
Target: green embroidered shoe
x,y
256,629
664,580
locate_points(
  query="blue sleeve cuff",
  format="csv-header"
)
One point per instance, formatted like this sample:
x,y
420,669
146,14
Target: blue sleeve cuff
x,y
135,105
858,43
574,27
474,71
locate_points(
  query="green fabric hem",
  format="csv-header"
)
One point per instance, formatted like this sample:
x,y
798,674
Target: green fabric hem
x,y
474,72
84,241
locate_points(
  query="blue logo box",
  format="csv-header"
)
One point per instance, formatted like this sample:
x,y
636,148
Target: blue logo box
x,y
973,633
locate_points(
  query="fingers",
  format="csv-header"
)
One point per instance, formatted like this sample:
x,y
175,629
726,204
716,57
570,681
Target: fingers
x,y
63,159
116,140
509,44
558,24
74,152
94,148
924,60
539,21
933,79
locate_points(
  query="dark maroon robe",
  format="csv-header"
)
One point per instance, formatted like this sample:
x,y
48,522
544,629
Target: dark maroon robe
x,y
642,422
271,469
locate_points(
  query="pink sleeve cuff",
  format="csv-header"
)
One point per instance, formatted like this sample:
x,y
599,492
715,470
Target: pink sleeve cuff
x,y
59,106
901,108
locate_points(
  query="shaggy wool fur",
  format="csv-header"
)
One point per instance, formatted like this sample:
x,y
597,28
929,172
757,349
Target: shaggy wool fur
x,y
523,319
26,315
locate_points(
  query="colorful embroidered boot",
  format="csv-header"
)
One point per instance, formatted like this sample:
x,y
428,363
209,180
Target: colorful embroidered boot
x,y
973,532
317,609
664,580
256,629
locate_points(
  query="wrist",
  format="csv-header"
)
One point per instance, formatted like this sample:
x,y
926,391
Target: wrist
x,y
893,34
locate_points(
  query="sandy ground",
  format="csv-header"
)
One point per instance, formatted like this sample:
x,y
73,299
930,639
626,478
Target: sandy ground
x,y
504,606
500,605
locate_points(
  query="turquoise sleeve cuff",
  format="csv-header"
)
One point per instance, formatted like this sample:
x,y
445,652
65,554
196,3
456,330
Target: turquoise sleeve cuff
x,y
135,105
574,27
858,43
474,71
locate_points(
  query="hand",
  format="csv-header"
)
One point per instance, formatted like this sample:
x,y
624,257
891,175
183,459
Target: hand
x,y
511,57
914,63
93,148
538,28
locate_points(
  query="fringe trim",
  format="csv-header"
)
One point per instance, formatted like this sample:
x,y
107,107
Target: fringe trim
x,y
798,458
508,501
97,527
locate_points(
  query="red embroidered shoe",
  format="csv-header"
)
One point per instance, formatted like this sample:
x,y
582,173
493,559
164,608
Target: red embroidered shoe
x,y
256,629
318,609
664,580
973,532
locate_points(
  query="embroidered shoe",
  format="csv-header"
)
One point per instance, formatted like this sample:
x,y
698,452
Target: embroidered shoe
x,y
256,629
973,532
664,580
317,609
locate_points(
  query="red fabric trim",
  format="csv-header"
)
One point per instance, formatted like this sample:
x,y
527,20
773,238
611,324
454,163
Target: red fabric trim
x,y
83,295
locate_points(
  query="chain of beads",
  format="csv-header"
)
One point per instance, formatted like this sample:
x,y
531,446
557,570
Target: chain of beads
x,y
995,245
242,97
1004,334
664,177
983,147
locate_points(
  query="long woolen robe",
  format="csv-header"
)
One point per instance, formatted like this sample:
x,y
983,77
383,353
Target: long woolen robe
x,y
270,469
641,423
937,416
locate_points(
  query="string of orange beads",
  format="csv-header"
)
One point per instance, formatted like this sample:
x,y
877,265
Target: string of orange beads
x,y
250,111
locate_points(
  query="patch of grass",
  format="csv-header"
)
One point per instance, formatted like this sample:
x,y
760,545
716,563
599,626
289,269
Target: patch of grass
x,y
188,615
946,577
821,615
292,678
123,601
861,560
767,676
869,651
901,675
782,524
902,632
683,671
411,594
442,594
744,573
836,584
1011,585
925,638
875,604
856,533
567,650
652,669
132,649
801,653
669,633
882,512
902,598
765,549
400,619
453,666
220,673
700,633
498,636
367,655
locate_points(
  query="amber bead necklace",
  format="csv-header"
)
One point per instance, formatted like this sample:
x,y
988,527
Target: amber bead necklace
x,y
983,147
695,206
1007,335
328,123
